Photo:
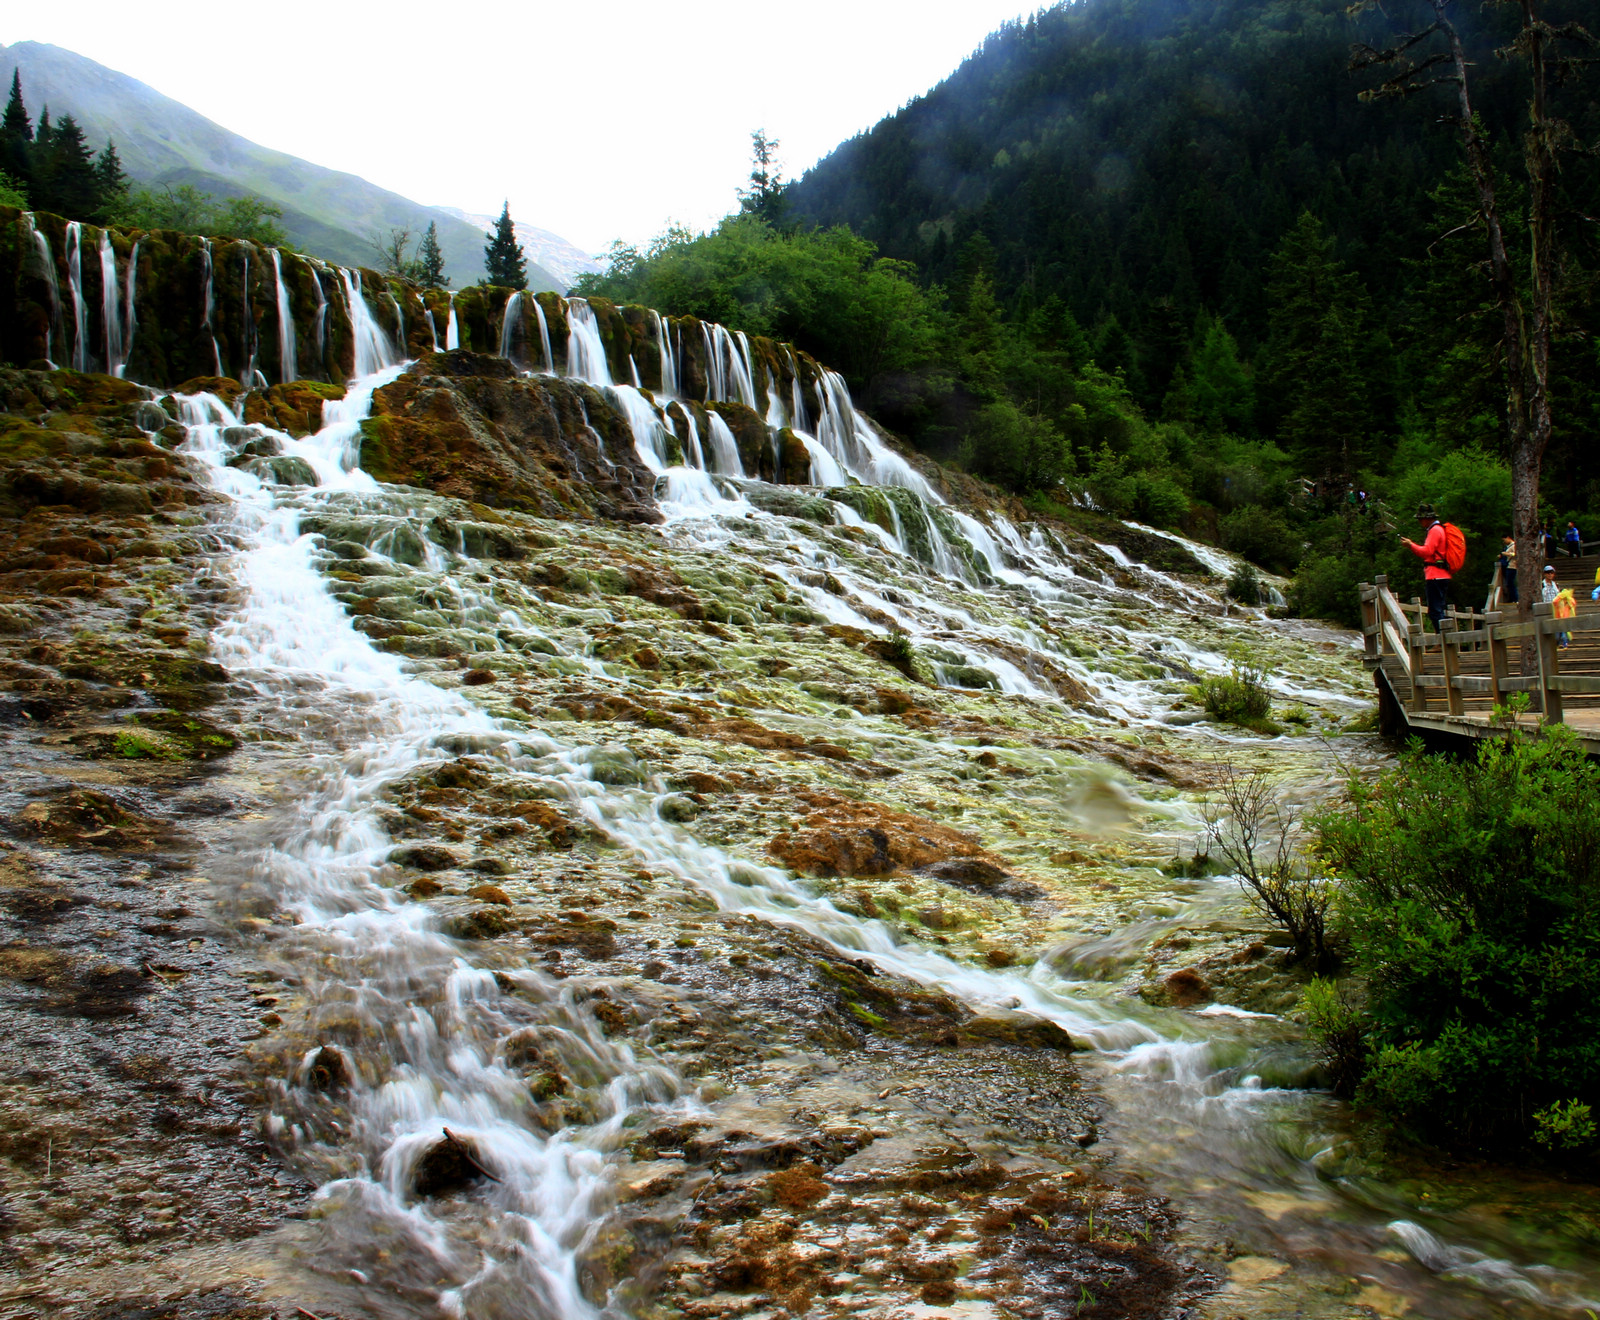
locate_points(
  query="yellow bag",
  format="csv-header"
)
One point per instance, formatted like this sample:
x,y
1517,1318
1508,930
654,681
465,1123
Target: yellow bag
x,y
1564,606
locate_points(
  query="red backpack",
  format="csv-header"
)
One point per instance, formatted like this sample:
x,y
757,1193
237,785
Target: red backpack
x,y
1455,547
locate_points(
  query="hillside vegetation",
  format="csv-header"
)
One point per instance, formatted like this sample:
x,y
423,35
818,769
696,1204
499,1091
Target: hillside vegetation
x,y
1160,252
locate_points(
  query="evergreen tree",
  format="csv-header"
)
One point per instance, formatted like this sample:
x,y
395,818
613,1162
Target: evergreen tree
x,y
764,196
1314,388
430,261
1224,397
112,182
504,264
16,134
64,179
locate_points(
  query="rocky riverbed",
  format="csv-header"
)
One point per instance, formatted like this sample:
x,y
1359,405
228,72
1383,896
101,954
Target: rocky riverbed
x,y
416,903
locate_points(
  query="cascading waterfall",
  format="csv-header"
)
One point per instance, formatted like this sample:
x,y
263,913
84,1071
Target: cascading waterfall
x,y
544,338
131,323
508,323
433,330
252,339
110,310
669,368
209,266
47,260
320,319
80,330
373,351
399,318
452,332
724,448
288,366
586,351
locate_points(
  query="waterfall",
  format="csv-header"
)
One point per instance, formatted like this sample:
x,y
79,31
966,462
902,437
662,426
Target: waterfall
x,y
132,321
321,328
252,376
288,367
210,302
544,337
586,351
743,376
508,323
399,319
797,398
110,310
433,330
696,455
452,332
80,333
47,261
724,448
669,369
373,351
716,378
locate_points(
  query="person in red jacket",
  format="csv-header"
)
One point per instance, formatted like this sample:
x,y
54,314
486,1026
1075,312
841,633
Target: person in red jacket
x,y
1435,575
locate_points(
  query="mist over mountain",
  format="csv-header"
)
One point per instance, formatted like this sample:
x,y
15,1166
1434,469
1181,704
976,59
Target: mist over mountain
x,y
327,213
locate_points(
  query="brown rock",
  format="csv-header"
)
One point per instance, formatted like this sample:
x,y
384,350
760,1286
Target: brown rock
x,y
862,838
1186,988
490,894
477,677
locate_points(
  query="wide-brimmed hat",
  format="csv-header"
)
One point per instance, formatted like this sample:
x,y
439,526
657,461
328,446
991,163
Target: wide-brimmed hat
x,y
1425,511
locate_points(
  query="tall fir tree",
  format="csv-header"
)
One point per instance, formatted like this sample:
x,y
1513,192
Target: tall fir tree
x,y
504,264
764,196
430,261
64,178
111,181
16,134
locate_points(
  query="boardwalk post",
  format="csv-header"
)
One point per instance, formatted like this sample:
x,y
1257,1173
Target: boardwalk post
x,y
1549,661
1369,622
1417,655
1450,654
1499,667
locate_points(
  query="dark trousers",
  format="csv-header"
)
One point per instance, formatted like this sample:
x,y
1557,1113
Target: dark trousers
x,y
1508,585
1437,589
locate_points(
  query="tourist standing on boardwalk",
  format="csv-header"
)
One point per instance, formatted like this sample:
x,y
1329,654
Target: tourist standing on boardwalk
x,y
1574,540
1435,573
1508,571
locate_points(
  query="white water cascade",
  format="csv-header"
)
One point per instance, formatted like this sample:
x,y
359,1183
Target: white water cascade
x,y
373,351
130,303
110,309
508,324
288,366
47,263
208,263
452,333
544,338
320,317
80,330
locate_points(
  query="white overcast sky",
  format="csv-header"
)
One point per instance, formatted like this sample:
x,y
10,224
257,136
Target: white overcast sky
x,y
597,121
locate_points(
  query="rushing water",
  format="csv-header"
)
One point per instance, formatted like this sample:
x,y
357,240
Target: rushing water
x,y
1194,1106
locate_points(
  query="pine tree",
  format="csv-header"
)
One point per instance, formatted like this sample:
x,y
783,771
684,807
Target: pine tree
x,y
16,134
112,182
764,197
64,178
430,261
504,264
1315,384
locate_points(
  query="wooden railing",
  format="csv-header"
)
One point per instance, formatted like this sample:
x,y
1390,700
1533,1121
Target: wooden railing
x,y
1393,632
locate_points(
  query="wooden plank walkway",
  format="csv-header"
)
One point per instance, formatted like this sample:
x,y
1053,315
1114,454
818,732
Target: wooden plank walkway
x,y
1448,682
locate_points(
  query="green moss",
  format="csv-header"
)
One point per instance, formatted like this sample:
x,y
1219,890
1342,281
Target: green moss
x,y
136,745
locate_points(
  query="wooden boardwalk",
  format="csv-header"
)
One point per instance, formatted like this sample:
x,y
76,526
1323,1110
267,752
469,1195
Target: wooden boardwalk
x,y
1447,683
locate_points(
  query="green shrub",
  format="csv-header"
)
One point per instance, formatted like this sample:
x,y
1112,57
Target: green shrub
x,y
1470,896
1565,1126
1239,696
1245,584
1336,1033
1261,536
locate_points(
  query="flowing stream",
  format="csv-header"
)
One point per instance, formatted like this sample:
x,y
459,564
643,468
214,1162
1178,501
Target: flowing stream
x,y
1193,1107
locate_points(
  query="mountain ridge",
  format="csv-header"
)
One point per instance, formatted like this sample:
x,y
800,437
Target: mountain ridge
x,y
327,213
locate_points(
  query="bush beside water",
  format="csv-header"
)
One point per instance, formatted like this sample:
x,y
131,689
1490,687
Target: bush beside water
x,y
1470,897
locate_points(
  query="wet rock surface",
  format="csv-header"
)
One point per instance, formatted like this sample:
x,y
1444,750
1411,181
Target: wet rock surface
x,y
808,1131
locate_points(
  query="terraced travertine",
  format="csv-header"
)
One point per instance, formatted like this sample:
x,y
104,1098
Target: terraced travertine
x,y
845,1141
